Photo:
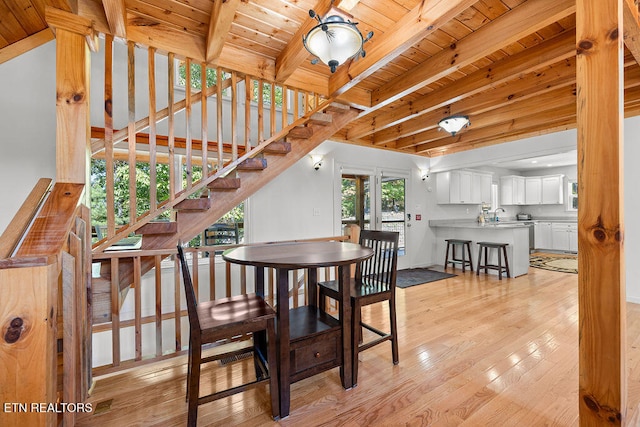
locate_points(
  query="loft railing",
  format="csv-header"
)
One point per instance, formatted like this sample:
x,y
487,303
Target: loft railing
x,y
194,131
148,322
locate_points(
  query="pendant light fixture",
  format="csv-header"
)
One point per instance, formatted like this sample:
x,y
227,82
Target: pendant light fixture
x,y
335,39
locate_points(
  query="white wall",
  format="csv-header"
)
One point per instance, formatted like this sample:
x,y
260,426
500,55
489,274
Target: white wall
x,y
27,126
284,208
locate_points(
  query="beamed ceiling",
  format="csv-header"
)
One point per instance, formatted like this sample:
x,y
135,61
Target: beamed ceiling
x,y
510,65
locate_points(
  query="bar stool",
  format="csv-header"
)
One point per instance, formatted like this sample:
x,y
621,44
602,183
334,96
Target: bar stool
x,y
492,245
453,243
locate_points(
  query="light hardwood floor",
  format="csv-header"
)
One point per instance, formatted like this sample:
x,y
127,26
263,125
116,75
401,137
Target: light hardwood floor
x,y
474,351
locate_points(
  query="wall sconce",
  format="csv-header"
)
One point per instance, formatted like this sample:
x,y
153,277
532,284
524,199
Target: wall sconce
x,y
316,160
424,174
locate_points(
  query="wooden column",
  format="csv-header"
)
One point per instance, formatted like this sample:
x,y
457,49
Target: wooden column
x,y
73,136
602,393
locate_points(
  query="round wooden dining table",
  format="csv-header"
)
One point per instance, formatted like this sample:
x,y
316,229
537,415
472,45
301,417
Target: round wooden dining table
x,y
305,335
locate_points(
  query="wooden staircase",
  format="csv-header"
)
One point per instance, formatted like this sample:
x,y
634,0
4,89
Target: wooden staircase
x,y
209,199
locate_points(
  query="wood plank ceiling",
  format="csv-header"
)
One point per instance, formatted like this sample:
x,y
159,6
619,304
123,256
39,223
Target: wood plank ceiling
x,y
508,64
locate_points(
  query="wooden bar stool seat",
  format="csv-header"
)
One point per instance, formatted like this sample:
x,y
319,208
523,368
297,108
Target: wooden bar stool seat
x,y
502,251
453,243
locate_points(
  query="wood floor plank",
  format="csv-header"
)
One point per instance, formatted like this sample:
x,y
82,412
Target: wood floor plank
x,y
474,351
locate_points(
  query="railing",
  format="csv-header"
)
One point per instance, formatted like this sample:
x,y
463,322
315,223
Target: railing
x,y
148,322
240,111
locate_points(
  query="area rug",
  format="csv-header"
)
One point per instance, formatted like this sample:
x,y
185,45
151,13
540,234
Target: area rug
x,y
562,263
417,276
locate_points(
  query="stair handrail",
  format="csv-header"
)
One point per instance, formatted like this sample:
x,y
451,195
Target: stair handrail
x,y
202,184
19,225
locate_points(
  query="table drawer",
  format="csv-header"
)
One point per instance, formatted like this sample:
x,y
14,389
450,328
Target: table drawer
x,y
315,354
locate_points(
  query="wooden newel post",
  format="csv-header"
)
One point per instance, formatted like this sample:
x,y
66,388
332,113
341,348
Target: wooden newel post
x,y
601,286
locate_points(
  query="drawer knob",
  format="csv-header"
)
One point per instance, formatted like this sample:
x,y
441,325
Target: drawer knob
x,y
317,354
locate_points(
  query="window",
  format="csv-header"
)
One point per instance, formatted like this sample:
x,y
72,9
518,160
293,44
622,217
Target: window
x,y
572,196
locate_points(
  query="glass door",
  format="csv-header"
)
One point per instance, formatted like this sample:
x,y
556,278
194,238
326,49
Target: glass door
x,y
393,208
356,201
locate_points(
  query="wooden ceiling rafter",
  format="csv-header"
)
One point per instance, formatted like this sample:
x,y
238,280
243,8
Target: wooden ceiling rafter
x,y
508,28
507,69
631,25
116,13
222,14
422,20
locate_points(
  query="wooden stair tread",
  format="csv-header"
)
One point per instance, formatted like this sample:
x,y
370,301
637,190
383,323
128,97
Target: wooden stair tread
x,y
322,119
301,132
200,204
278,147
336,107
253,164
224,183
164,227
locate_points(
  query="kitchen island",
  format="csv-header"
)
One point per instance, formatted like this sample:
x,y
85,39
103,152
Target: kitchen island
x,y
516,234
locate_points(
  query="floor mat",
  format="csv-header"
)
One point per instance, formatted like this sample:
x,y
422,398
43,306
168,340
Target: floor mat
x,y
417,276
562,263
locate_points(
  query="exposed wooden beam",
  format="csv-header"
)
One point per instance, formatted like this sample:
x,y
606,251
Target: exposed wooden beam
x,y
601,278
294,54
60,19
421,21
631,28
533,85
222,14
18,48
508,28
116,13
510,68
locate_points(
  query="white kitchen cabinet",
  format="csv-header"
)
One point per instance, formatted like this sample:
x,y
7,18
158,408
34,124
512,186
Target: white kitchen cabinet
x,y
542,236
481,187
463,187
512,190
552,189
564,236
533,190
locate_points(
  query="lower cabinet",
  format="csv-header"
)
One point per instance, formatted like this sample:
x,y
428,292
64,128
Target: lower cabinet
x,y
564,237
542,237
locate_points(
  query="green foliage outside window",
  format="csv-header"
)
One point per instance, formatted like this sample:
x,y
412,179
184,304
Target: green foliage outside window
x,y
212,79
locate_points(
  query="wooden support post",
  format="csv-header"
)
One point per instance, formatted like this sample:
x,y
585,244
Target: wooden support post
x,y
600,54
72,107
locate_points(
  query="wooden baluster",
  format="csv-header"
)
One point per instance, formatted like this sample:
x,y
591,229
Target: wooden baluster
x,y
153,199
260,111
187,116
137,284
234,116
219,126
294,290
204,120
115,312
108,134
132,131
158,277
296,105
247,112
272,112
285,106
171,129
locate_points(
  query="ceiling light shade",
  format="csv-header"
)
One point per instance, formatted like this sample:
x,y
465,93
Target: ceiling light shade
x,y
453,124
334,40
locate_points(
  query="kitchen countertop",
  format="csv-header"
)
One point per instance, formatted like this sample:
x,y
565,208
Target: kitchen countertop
x,y
475,225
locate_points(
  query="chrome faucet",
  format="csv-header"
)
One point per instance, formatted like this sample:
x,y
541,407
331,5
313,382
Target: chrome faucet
x,y
495,213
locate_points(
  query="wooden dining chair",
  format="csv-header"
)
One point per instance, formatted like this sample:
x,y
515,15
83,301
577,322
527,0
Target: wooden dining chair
x,y
225,318
374,281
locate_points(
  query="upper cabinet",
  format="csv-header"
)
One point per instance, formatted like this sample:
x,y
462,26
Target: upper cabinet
x,y
463,187
512,190
531,190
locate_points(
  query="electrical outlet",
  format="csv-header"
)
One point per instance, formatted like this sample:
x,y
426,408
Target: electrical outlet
x,y
467,210
316,211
